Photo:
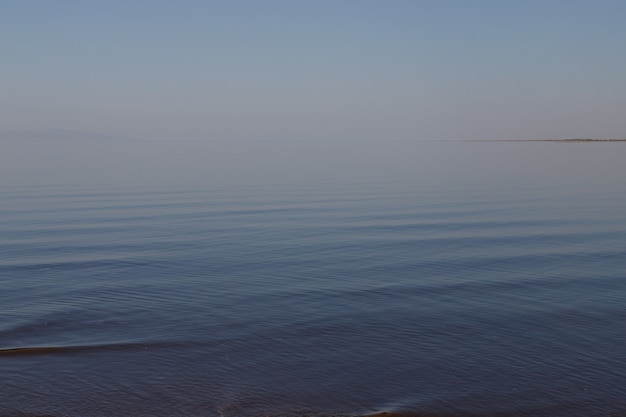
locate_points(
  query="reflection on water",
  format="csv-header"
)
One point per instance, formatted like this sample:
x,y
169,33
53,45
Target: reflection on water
x,y
437,279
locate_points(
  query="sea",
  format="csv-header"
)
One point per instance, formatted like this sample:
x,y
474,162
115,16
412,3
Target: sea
x,y
312,278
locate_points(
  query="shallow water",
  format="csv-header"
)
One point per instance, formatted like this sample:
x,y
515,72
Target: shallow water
x,y
334,278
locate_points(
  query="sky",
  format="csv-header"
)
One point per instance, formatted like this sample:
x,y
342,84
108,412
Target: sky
x,y
315,70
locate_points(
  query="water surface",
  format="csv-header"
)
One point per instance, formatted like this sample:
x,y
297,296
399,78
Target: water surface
x,y
333,278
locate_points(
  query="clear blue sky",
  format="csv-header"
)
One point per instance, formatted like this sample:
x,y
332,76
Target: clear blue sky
x,y
317,69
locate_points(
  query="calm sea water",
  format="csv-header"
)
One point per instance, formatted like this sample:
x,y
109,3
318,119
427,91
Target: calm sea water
x,y
333,278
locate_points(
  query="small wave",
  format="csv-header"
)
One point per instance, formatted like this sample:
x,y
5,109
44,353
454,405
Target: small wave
x,y
52,350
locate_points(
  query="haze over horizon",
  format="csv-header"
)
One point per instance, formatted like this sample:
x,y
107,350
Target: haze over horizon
x,y
280,69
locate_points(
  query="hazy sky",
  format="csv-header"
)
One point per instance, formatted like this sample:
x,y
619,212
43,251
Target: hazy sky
x,y
317,69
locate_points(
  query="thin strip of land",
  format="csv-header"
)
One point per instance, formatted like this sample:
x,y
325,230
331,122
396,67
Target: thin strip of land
x,y
547,140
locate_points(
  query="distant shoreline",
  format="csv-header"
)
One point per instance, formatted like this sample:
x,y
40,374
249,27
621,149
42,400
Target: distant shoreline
x,y
547,140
